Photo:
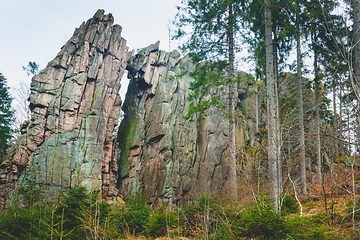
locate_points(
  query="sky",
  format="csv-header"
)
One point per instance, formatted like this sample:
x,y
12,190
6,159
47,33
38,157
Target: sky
x,y
36,30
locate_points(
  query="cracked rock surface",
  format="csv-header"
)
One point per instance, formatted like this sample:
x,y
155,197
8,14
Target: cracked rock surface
x,y
163,155
75,107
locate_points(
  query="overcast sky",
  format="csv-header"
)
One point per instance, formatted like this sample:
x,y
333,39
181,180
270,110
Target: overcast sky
x,y
35,30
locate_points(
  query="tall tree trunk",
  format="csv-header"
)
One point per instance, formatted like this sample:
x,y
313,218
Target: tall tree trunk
x,y
257,109
349,132
356,68
336,119
341,117
272,120
275,43
317,109
302,159
356,19
232,92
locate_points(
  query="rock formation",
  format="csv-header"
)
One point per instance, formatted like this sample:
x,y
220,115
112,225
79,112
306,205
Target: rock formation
x,y
166,157
75,106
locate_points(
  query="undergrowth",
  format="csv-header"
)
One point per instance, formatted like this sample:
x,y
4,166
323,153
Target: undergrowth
x,y
78,214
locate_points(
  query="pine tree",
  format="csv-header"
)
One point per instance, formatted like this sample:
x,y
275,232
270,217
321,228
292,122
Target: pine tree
x,y
6,117
355,77
318,13
274,157
302,159
356,26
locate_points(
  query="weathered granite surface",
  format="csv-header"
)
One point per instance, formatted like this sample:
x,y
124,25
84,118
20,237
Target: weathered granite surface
x,y
164,156
75,107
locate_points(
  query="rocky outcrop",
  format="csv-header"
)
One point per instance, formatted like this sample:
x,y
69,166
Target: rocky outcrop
x,y
162,155
75,107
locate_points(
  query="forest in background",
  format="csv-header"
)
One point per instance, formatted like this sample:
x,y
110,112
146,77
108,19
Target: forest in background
x,y
312,122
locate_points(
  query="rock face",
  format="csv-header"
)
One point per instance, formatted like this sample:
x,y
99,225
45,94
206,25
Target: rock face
x,y
166,157
75,107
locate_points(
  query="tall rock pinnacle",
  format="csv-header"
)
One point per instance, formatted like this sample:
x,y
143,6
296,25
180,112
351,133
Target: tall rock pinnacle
x,y
163,155
75,107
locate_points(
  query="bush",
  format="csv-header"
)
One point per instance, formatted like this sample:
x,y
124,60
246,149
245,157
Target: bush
x,y
133,218
24,223
71,210
29,194
210,219
289,205
261,222
306,228
161,222
80,215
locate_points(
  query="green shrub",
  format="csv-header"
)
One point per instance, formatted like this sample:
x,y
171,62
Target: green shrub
x,y
133,218
210,219
306,228
29,194
79,215
162,222
289,205
70,212
261,222
24,223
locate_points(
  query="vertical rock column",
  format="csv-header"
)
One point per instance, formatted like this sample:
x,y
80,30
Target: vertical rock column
x,y
164,156
75,107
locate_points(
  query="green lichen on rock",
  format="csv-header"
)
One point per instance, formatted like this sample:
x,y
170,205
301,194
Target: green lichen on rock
x,y
126,139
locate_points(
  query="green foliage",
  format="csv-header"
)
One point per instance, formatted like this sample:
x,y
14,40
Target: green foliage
x,y
6,118
23,223
306,228
162,222
289,205
97,219
210,42
77,215
210,219
261,222
80,215
71,209
29,193
41,220
31,69
134,217
352,210
209,78
254,32
210,27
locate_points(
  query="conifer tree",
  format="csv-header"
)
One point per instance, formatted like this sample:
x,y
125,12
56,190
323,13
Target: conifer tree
x,y
356,67
355,4
302,157
6,117
274,157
